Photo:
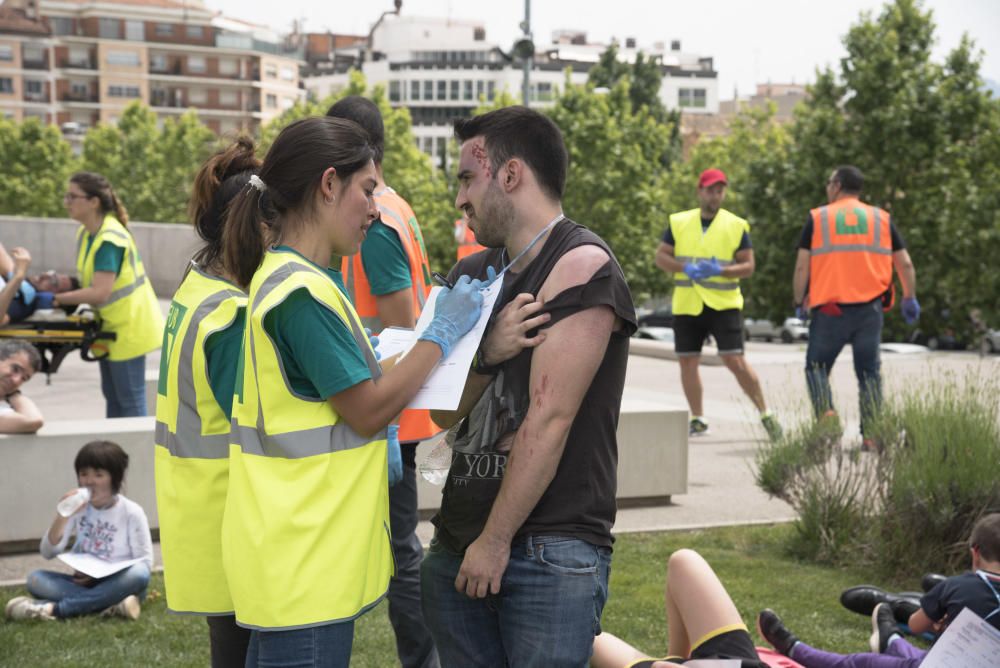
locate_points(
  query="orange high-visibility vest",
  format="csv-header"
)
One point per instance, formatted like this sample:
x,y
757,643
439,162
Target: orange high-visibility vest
x,y
467,245
851,254
414,425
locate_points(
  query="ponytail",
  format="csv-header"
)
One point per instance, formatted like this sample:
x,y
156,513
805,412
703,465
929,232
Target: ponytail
x,y
96,185
243,237
220,179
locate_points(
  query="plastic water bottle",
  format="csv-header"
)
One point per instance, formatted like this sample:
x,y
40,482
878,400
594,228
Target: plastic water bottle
x,y
72,503
434,467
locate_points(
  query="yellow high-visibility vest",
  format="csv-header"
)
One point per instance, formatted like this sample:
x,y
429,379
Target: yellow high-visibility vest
x,y
691,244
305,534
131,311
192,447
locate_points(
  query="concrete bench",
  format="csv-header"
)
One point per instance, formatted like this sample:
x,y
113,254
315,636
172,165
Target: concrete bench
x,y
35,470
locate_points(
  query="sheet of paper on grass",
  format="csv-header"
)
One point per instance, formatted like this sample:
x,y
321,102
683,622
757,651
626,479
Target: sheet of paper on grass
x,y
93,566
968,641
443,388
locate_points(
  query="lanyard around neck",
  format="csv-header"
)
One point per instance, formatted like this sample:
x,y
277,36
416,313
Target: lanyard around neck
x,y
982,576
527,248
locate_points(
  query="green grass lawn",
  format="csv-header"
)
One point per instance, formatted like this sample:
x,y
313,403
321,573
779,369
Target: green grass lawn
x,y
750,561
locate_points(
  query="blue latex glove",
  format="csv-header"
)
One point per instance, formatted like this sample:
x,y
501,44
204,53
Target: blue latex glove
x,y
802,312
395,456
910,309
372,339
709,268
455,313
491,275
43,300
693,271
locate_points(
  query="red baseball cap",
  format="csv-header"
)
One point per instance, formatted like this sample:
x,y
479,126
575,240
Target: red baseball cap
x,y
710,177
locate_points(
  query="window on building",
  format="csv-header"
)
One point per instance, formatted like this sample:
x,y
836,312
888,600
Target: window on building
x,y
440,147
491,90
428,144
228,67
271,101
123,58
135,31
196,64
271,71
164,30
158,62
33,53
480,88
691,98
454,89
414,90
109,28
6,85
61,25
33,87
123,91
197,96
442,90
79,90
544,93
6,52
428,90
287,102
195,32
228,98
288,74
467,90
394,91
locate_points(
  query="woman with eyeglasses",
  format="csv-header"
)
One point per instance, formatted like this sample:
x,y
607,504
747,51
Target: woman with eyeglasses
x,y
114,282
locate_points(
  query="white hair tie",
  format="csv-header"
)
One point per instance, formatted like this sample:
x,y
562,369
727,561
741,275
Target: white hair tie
x,y
257,183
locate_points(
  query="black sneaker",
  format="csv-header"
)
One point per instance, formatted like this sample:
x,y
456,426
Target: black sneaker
x,y
883,628
931,580
771,629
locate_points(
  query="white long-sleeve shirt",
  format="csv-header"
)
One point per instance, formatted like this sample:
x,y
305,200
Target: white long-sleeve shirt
x,y
115,533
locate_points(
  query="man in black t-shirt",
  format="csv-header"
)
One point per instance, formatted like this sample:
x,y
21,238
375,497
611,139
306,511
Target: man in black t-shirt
x,y
517,572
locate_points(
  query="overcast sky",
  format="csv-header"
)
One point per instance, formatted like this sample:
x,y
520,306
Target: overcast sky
x,y
752,41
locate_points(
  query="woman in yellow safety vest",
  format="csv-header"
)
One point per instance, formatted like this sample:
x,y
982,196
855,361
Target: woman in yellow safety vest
x,y
305,533
114,282
194,404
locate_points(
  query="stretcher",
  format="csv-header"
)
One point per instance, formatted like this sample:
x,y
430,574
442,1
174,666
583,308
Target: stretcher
x,y
55,339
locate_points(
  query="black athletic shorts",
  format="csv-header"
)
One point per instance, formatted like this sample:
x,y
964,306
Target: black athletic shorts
x,y
735,644
726,327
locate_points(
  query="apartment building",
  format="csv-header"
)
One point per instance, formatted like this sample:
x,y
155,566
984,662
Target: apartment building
x,y
77,63
440,68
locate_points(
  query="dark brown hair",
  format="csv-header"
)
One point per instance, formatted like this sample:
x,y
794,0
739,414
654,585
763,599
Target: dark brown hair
x,y
291,172
103,455
365,113
95,185
986,537
220,179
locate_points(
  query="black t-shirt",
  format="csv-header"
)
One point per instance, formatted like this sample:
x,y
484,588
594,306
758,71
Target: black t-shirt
x,y
805,241
580,500
967,590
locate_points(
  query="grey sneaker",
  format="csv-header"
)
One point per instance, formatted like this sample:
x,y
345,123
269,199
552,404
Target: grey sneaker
x,y
883,628
128,608
24,607
697,427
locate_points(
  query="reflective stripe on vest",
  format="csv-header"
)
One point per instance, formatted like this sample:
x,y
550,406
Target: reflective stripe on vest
x,y
691,244
131,310
305,538
850,254
192,467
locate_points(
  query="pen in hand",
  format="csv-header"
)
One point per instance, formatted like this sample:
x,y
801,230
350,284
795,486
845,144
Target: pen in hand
x,y
440,278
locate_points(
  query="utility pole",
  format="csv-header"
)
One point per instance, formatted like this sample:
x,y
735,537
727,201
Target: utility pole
x,y
529,59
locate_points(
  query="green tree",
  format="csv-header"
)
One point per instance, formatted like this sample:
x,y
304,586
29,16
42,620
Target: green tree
x,y
36,165
925,134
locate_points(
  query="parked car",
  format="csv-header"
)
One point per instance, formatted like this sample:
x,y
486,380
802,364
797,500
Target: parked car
x,y
661,317
792,329
991,341
665,334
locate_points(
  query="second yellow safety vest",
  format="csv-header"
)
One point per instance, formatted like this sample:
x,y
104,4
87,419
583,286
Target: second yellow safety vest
x,y
305,535
192,447
691,244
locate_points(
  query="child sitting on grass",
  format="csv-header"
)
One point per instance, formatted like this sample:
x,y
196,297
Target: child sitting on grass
x,y
978,590
108,526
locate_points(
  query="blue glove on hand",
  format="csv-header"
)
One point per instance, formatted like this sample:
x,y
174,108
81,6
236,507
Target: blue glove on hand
x,y
910,309
709,268
693,271
456,311
372,339
491,275
43,300
395,456
802,312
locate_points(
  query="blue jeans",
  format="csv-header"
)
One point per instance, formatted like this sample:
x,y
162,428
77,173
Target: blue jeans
x,y
861,326
546,614
327,646
123,384
73,600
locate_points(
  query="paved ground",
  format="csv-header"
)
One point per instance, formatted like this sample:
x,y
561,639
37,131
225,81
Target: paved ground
x,y
721,490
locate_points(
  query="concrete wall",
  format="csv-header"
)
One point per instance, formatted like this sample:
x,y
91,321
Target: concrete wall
x,y
165,249
36,470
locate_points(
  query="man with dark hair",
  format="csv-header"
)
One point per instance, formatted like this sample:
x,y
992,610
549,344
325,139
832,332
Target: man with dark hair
x,y
19,361
388,282
843,280
517,572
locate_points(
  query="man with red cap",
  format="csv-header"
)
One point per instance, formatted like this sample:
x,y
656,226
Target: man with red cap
x,y
707,251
